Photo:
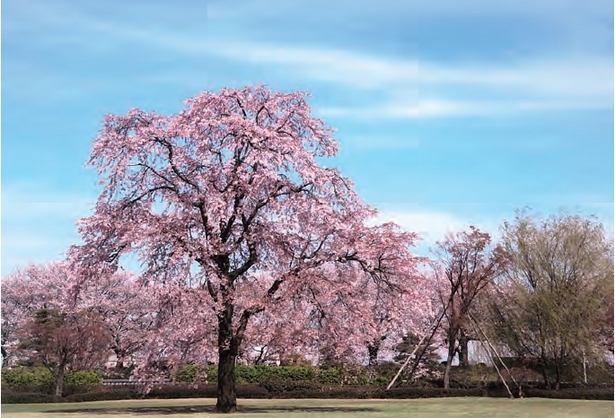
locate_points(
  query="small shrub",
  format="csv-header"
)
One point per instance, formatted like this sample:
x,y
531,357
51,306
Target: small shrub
x,y
83,378
384,372
330,375
193,373
80,381
27,379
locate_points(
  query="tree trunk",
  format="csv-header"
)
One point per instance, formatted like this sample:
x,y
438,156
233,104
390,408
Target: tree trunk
x,y
449,360
558,376
59,380
545,375
119,362
227,396
463,349
372,350
228,348
119,368
261,356
4,356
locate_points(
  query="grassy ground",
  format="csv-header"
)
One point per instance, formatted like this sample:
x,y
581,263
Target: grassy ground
x,y
317,408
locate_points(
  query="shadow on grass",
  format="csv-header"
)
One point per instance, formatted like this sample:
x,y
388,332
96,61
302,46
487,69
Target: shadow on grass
x,y
171,410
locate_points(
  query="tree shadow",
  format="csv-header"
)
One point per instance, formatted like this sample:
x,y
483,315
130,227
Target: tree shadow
x,y
197,409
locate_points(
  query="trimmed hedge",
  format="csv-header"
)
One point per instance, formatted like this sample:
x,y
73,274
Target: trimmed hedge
x,y
83,378
329,392
194,373
316,392
249,391
35,385
182,391
25,397
40,380
427,392
27,380
275,386
104,395
604,394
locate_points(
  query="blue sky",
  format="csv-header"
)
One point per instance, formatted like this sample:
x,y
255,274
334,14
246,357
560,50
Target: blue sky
x,y
448,113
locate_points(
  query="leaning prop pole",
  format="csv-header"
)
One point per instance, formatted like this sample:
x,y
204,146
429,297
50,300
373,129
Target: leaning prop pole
x,y
488,350
433,327
498,356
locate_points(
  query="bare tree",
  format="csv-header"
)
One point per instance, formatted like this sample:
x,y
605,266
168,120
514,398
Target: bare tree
x,y
466,264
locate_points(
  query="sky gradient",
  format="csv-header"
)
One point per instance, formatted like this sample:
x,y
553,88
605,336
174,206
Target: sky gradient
x,y
447,113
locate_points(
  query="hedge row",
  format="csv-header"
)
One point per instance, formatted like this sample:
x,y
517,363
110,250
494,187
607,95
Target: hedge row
x,y
194,373
317,392
605,394
379,375
40,380
25,397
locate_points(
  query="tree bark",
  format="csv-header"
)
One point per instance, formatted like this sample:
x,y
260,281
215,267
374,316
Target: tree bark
x,y
226,393
228,348
545,375
463,349
59,380
372,350
449,360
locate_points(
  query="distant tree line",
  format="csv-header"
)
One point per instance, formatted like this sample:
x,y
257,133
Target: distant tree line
x,y
542,294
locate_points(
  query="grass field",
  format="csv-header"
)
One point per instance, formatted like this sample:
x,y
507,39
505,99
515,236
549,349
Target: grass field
x,y
317,408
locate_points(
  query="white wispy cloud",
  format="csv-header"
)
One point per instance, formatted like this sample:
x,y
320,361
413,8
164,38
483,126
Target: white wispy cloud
x,y
431,226
573,77
445,89
323,64
567,83
434,108
434,225
424,109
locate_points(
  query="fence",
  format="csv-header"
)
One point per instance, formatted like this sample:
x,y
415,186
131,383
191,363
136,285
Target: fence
x,y
134,383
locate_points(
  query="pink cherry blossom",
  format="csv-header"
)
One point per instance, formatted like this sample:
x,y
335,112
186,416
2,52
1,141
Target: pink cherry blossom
x,y
233,218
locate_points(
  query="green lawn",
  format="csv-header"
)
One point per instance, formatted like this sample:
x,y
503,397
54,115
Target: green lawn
x,y
313,408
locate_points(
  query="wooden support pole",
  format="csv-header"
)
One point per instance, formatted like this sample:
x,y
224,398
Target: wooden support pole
x,y
433,326
403,366
498,356
494,363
